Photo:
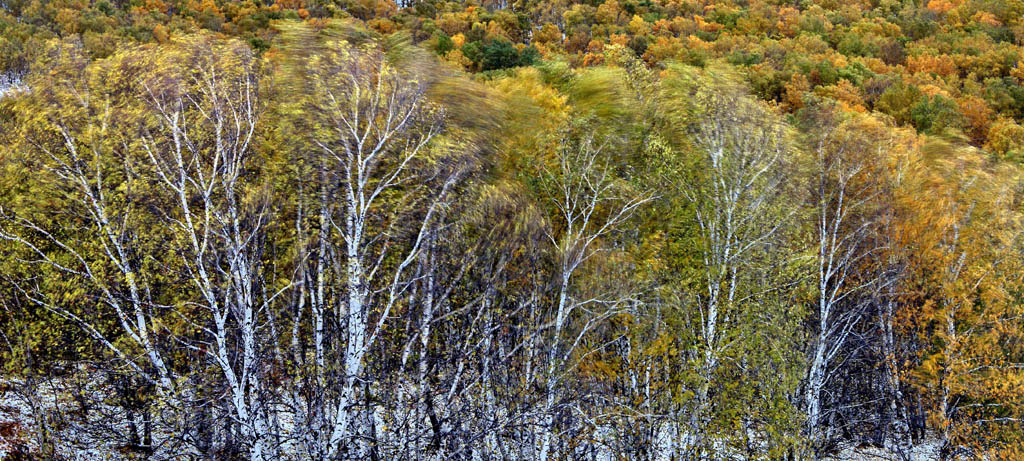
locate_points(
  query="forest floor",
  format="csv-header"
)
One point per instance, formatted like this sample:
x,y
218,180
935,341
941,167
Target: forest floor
x,y
23,405
929,450
19,432
15,430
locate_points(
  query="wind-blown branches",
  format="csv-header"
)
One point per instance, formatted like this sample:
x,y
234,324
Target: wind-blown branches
x,y
341,248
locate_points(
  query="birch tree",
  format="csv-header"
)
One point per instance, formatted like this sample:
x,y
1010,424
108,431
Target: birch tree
x,y
177,140
969,234
590,204
384,170
850,182
743,153
201,151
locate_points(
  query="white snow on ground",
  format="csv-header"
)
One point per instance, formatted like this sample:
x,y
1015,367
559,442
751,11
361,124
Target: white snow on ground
x,y
929,450
10,83
18,431
14,417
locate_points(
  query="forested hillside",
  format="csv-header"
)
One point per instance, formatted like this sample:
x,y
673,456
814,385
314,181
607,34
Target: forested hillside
x,y
544,230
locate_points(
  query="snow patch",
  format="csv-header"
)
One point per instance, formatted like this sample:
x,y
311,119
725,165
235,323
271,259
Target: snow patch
x,y
10,83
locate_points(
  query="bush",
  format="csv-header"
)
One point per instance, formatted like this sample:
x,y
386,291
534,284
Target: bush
x,y
443,43
935,114
897,101
498,54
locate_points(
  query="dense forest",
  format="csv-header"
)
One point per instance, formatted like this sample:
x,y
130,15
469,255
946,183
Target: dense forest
x,y
539,230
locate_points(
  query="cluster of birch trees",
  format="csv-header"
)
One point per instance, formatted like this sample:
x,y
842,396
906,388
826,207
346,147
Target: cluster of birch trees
x,y
343,249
